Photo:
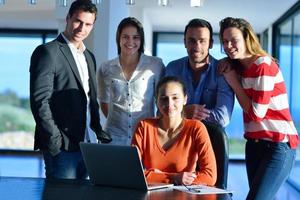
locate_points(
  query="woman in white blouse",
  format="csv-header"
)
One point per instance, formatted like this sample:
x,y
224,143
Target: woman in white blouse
x,y
127,83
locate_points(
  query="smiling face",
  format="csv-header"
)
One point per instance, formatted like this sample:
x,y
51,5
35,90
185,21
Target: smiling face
x,y
130,41
234,43
79,26
197,43
171,99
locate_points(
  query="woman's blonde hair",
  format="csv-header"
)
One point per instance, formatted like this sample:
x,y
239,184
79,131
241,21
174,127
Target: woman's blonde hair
x,y
252,43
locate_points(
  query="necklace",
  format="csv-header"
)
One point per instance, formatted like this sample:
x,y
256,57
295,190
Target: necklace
x,y
168,132
167,137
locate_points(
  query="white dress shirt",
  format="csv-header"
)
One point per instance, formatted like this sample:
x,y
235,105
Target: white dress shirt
x,y
82,67
128,101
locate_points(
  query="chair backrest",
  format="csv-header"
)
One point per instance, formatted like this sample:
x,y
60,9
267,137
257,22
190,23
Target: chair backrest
x,y
219,143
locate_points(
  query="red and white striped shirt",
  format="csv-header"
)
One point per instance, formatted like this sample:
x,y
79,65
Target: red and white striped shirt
x,y
269,116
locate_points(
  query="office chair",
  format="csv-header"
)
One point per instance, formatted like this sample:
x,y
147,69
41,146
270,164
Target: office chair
x,y
219,143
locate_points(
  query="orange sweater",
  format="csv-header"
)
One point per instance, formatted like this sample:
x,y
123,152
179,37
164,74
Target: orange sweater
x,y
192,148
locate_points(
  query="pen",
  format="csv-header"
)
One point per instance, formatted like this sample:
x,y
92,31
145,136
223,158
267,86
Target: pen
x,y
191,189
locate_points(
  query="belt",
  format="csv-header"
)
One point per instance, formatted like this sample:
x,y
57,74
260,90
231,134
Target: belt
x,y
261,141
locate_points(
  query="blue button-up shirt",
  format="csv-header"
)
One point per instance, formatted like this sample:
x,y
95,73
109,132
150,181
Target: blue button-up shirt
x,y
211,90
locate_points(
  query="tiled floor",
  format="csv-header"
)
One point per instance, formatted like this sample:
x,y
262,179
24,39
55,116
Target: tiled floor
x,y
29,166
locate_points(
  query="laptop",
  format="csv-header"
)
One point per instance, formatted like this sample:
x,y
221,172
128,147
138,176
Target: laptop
x,y
116,166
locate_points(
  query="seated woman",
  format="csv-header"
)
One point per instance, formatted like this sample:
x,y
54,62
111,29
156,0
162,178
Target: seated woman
x,y
174,149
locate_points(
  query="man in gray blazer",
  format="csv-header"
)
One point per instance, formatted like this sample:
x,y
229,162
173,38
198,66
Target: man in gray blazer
x,y
63,95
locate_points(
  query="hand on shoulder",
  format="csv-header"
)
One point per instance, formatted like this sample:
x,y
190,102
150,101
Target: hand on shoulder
x,y
196,111
224,65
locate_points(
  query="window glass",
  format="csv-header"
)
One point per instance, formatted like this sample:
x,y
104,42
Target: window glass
x,y
50,37
170,46
285,50
295,92
265,41
288,49
16,121
15,53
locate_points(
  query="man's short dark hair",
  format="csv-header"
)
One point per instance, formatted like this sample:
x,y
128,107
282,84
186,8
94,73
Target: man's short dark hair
x,y
196,23
84,5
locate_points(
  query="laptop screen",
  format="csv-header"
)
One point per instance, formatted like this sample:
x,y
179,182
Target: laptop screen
x,y
113,165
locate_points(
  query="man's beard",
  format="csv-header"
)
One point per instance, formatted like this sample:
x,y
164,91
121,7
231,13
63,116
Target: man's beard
x,y
198,60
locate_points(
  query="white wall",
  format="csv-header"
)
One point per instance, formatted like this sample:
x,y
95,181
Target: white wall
x,y
141,14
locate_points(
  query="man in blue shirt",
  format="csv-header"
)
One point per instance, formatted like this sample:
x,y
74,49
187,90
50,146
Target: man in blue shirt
x,y
210,98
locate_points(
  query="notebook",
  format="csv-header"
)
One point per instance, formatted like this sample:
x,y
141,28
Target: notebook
x,y
116,166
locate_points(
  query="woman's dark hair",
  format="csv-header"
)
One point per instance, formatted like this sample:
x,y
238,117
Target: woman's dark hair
x,y
169,79
84,5
130,21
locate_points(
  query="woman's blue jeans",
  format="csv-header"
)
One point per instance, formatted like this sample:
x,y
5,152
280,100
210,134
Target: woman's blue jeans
x,y
268,166
65,165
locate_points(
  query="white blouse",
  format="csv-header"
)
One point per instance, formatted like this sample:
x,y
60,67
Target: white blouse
x,y
128,101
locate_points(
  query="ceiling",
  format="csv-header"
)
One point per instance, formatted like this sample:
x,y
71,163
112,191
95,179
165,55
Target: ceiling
x,y
260,13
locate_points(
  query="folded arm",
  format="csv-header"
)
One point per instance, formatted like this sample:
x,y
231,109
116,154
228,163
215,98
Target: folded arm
x,y
221,113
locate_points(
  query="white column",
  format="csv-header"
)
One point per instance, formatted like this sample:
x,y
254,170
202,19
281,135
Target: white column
x,y
103,39
61,14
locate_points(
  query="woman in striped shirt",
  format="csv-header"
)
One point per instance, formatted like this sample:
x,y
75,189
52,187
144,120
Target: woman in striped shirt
x,y
257,81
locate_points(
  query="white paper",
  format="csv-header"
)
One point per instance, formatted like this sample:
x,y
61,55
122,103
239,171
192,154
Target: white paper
x,y
201,189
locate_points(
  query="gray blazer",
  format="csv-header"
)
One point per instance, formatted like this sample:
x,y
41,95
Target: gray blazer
x,y
57,98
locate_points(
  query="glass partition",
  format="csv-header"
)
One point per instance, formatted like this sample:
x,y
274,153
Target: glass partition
x,y
287,48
